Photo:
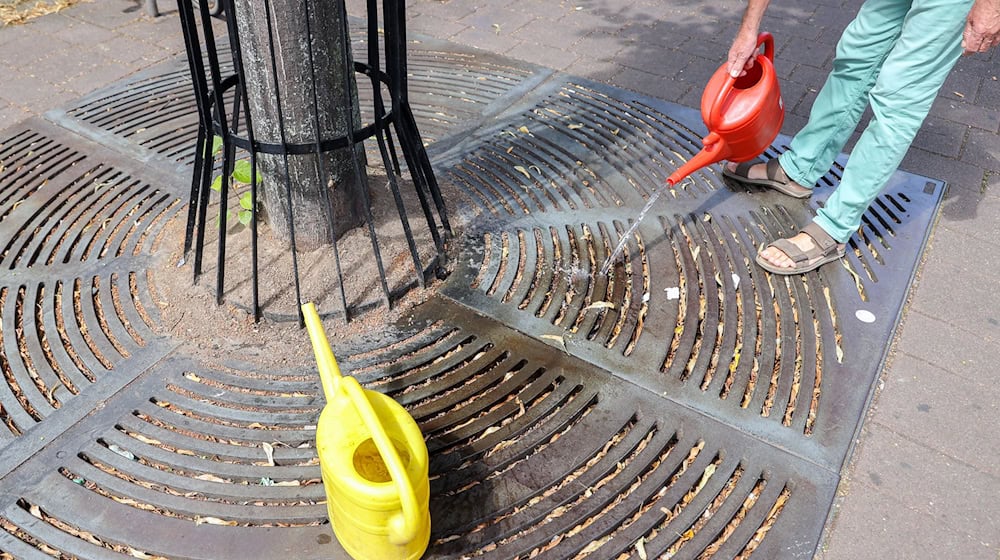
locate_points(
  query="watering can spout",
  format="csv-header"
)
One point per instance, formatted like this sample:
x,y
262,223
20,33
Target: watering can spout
x,y
329,371
714,151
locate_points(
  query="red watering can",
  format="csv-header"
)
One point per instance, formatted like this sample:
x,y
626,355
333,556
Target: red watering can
x,y
743,114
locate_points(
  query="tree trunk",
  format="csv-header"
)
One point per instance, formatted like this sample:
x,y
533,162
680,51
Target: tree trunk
x,y
295,89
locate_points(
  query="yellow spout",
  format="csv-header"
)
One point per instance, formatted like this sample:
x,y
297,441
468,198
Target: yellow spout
x,y
329,371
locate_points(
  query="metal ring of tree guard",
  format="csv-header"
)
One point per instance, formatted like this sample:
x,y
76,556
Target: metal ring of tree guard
x,y
687,403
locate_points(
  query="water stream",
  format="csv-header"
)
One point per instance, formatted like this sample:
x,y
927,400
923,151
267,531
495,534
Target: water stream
x,y
628,233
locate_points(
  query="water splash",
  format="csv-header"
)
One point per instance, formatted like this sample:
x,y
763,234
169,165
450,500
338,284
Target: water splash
x,y
628,233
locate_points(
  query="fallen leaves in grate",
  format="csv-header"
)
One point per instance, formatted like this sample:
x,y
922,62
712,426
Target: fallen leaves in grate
x,y
16,12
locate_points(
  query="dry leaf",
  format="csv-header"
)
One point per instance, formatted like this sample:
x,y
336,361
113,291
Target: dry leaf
x,y
709,471
145,439
269,452
210,478
192,377
213,521
640,548
600,305
523,171
557,338
575,126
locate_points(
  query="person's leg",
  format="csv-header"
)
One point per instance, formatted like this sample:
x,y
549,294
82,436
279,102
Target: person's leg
x,y
911,76
837,109
864,45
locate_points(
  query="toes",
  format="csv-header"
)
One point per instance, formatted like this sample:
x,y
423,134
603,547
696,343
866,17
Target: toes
x,y
776,257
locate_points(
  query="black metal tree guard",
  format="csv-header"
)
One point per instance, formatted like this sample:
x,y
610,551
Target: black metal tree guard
x,y
223,106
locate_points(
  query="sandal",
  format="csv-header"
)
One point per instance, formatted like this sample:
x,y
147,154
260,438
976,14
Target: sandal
x,y
776,178
825,249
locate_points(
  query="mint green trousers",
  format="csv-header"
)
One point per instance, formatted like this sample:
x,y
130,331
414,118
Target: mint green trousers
x,y
894,56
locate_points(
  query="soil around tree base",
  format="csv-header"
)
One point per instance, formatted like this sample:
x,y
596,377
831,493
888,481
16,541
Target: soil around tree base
x,y
227,334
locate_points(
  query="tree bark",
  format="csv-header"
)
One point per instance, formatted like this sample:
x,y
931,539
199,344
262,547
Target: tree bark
x,y
295,81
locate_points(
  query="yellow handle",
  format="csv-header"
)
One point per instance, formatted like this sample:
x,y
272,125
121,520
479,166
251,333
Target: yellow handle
x,y
402,528
329,371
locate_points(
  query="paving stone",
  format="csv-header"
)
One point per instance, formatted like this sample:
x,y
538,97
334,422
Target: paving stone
x,y
434,26
983,150
810,75
539,32
26,39
960,111
544,9
497,20
921,338
974,211
487,39
941,136
544,55
936,485
921,401
652,84
871,524
34,93
599,70
11,114
958,174
112,14
600,45
804,51
449,10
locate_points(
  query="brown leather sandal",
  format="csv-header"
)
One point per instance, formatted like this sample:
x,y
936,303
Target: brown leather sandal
x,y
776,178
825,249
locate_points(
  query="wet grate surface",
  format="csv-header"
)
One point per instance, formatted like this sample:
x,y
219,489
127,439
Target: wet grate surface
x,y
685,405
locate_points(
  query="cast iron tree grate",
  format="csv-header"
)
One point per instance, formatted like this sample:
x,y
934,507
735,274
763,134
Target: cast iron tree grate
x,y
685,404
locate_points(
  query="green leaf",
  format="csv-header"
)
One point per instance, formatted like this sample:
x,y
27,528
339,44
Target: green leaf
x,y
245,216
246,200
241,172
216,145
217,184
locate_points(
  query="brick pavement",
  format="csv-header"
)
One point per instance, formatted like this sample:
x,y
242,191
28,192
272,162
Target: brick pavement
x,y
924,476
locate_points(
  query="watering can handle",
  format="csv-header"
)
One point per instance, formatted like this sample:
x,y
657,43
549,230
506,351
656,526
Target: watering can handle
x,y
765,39
401,530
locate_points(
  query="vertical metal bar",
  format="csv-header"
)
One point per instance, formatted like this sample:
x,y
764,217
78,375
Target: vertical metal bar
x,y
284,154
406,118
228,165
375,73
237,54
203,150
395,54
349,94
321,169
229,151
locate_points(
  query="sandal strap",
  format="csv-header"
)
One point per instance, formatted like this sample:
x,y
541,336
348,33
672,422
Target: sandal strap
x,y
743,169
775,171
792,250
820,237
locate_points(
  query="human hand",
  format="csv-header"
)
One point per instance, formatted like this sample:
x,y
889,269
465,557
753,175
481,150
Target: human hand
x,y
741,53
982,28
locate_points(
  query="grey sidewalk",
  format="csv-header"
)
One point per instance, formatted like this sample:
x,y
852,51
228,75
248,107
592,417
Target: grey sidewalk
x,y
923,479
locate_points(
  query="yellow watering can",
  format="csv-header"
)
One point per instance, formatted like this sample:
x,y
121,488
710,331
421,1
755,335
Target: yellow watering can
x,y
374,464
